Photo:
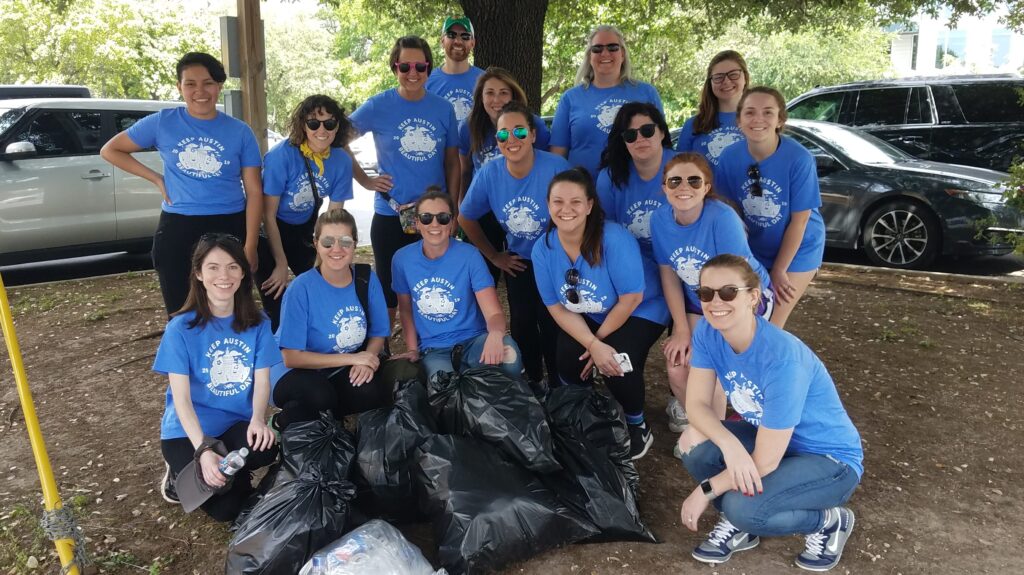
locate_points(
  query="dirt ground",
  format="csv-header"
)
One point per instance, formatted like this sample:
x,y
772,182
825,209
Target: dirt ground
x,y
929,368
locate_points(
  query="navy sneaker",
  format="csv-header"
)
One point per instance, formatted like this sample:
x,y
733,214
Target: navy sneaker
x,y
824,548
640,440
167,490
724,540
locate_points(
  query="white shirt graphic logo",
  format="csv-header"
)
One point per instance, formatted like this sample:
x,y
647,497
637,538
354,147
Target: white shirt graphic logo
x,y
463,106
303,199
229,375
720,140
436,303
588,303
522,221
745,397
200,160
606,115
640,224
417,141
688,270
351,333
761,207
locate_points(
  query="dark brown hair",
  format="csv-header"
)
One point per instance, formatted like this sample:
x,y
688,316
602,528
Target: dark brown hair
x,y
707,113
410,43
480,124
212,65
245,313
435,193
335,216
738,263
779,100
593,230
616,155
309,107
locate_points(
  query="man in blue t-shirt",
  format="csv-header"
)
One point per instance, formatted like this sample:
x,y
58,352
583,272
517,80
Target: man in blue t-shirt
x,y
454,81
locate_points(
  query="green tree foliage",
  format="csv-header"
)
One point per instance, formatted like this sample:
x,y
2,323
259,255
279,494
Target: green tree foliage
x,y
118,48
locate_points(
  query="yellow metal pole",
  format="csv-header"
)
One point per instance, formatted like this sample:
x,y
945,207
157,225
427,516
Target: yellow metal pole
x,y
51,497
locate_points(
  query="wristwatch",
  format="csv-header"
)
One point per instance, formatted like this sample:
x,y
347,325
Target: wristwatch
x,y
705,486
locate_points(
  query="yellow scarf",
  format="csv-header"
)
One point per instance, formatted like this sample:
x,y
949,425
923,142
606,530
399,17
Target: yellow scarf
x,y
318,159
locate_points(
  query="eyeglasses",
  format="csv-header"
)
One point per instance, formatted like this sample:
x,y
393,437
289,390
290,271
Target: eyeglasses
x,y
520,132
598,48
313,124
464,36
694,182
754,173
647,131
727,293
404,67
443,218
731,74
327,242
572,277
219,237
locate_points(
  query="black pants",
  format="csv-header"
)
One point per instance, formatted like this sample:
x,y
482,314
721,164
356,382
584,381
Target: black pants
x,y
225,506
303,393
531,324
297,241
496,235
175,238
387,237
635,338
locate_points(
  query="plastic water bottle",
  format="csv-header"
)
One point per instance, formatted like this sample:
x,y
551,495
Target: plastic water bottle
x,y
233,461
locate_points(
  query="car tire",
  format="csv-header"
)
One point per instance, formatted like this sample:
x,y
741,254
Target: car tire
x,y
902,234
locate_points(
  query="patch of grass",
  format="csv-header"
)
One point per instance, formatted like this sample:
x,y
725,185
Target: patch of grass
x,y
116,559
889,335
926,343
979,306
96,315
21,538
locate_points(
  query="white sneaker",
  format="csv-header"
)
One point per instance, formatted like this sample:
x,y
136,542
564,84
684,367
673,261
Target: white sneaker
x,y
677,420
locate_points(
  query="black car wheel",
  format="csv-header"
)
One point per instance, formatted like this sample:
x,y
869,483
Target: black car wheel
x,y
902,234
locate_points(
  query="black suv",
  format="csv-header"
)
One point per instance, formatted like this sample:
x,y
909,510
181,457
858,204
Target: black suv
x,y
970,120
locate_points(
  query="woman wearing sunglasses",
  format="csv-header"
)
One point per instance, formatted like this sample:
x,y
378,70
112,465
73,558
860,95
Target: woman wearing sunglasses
x,y
297,175
417,141
694,226
775,182
590,275
795,457
447,298
714,128
211,180
514,190
330,341
216,353
586,112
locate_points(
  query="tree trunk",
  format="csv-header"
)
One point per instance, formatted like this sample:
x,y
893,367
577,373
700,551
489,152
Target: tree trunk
x,y
510,34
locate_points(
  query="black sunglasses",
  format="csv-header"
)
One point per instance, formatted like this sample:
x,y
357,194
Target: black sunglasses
x,y
465,36
572,277
754,173
727,293
426,218
598,48
694,182
313,124
404,67
647,131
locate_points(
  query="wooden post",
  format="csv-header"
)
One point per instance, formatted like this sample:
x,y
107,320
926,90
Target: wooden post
x,y
253,60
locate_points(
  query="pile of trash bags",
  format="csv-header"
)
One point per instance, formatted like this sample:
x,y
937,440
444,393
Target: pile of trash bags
x,y
500,474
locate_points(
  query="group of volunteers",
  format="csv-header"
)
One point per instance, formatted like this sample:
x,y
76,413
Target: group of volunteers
x,y
605,236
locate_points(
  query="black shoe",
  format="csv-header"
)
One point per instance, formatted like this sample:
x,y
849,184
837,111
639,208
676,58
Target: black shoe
x,y
167,490
640,440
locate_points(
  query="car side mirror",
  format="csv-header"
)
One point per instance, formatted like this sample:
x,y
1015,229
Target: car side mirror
x,y
826,165
18,151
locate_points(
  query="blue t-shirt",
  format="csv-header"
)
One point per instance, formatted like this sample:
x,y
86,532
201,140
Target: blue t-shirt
x,y
203,159
319,317
789,183
411,139
489,150
686,249
584,118
456,88
443,292
712,144
778,382
285,175
620,272
520,205
221,366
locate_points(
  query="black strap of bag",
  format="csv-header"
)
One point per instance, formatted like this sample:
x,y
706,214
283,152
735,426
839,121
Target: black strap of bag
x,y
361,277
318,202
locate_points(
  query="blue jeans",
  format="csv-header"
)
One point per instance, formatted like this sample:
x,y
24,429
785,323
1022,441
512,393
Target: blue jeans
x,y
437,359
795,494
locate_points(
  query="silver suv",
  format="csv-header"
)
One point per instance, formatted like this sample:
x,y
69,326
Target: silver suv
x,y
58,198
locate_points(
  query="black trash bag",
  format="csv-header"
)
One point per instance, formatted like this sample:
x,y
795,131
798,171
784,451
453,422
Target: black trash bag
x,y
290,523
324,441
487,510
592,482
485,403
386,453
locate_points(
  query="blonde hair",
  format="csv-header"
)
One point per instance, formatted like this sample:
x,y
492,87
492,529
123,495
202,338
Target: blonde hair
x,y
585,73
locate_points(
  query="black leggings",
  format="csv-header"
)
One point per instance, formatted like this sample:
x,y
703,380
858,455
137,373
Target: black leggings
x,y
387,237
225,506
297,241
531,325
303,393
635,338
176,235
494,234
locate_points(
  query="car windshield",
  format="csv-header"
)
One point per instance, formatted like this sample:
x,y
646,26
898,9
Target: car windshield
x,y
8,117
860,147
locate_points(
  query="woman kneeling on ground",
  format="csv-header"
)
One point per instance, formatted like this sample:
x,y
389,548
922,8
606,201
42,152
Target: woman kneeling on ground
x,y
217,352
795,457
455,300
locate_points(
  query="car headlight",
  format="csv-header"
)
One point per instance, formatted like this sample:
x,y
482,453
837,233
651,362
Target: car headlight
x,y
986,196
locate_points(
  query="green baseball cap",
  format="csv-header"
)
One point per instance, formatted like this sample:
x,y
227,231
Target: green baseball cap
x,y
461,21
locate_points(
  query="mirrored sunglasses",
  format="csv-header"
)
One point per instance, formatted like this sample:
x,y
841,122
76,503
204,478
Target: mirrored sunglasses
x,y
598,48
520,132
695,182
327,242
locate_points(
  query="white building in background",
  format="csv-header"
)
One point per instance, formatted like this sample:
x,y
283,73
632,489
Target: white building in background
x,y
926,46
